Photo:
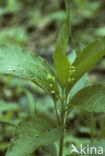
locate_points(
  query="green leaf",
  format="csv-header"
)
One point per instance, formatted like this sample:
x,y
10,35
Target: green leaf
x,y
91,99
72,56
88,57
62,67
32,133
63,37
60,60
81,83
25,64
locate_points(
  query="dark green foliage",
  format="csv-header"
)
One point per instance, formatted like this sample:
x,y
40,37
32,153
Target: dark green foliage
x,y
91,99
32,133
65,82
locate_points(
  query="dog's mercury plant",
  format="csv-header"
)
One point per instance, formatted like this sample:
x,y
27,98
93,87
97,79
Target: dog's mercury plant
x,y
58,81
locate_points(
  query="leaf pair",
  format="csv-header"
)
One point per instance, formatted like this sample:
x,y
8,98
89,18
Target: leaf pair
x,y
83,62
91,98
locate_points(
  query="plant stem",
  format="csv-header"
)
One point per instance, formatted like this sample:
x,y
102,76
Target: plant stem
x,y
62,124
61,145
92,126
56,113
62,138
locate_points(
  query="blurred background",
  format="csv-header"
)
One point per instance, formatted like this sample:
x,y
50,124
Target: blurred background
x,y
34,25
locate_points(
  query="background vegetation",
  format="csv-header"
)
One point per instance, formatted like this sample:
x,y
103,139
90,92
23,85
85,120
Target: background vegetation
x,y
34,25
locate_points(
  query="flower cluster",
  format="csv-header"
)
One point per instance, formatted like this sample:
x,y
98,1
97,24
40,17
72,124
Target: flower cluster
x,y
51,80
71,74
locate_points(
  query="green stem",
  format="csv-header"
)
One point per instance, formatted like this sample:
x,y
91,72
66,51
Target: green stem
x,y
61,145
92,126
56,113
62,124
62,138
